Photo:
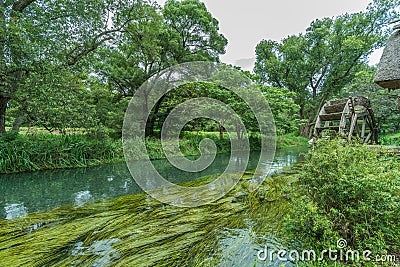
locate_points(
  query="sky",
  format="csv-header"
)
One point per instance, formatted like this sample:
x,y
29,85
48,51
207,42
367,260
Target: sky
x,y
246,22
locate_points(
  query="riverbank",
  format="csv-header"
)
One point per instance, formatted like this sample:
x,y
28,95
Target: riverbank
x,y
343,191
33,152
40,151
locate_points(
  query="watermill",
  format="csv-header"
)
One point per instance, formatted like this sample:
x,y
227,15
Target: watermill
x,y
351,117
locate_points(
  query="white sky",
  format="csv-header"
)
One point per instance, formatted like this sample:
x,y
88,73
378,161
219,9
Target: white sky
x,y
246,22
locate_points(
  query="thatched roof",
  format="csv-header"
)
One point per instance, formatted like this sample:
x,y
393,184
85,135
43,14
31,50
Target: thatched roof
x,y
388,73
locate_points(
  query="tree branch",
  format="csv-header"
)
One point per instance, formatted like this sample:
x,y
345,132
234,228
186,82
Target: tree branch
x,y
20,5
96,42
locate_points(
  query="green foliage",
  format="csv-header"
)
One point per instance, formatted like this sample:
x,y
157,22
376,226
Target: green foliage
x,y
20,153
197,30
291,140
37,41
349,191
181,31
280,101
8,136
386,105
211,90
57,76
390,139
285,111
189,144
55,101
322,61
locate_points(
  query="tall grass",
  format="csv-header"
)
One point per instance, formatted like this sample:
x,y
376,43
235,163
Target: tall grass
x,y
41,151
19,153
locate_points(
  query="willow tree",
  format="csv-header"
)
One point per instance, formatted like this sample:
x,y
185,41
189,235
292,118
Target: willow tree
x,y
319,63
38,36
179,32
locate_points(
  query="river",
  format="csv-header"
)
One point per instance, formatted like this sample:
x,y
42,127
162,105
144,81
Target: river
x,y
77,197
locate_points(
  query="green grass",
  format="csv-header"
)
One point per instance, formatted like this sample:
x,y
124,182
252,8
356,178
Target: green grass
x,y
291,140
41,151
19,153
392,139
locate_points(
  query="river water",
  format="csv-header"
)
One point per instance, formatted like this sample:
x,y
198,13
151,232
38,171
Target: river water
x,y
43,190
99,217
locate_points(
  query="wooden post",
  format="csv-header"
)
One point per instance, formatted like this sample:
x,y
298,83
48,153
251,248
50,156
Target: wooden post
x,y
363,127
353,125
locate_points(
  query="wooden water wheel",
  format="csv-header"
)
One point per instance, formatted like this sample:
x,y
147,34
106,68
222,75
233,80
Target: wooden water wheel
x,y
351,118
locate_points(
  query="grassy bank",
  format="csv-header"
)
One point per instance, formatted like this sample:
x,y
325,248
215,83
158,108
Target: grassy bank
x,y
41,151
20,152
291,140
392,139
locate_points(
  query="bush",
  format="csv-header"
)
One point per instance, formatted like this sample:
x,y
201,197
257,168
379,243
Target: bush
x,y
390,139
349,191
8,136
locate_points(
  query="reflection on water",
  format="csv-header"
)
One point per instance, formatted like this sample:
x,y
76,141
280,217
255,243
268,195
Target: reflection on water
x,y
15,210
82,197
103,248
30,192
238,247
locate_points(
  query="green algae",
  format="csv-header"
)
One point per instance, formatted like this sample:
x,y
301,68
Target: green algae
x,y
137,230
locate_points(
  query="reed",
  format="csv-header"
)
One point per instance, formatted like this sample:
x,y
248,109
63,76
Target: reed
x,y
40,151
45,151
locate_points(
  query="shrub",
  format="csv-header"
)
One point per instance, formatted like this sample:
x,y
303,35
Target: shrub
x,y
349,191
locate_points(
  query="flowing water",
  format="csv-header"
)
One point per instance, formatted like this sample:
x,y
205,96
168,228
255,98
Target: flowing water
x,y
98,216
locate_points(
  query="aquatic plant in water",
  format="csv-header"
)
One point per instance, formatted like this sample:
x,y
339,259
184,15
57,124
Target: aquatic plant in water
x,y
136,230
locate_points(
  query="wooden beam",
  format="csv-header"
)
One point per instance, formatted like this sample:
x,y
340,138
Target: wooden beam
x,y
363,128
368,137
352,125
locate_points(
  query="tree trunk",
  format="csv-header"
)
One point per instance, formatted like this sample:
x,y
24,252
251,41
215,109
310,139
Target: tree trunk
x,y
149,130
238,131
304,128
153,117
17,123
4,98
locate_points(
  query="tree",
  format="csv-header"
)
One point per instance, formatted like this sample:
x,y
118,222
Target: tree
x,y
385,106
319,63
182,31
197,31
37,36
57,101
283,107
